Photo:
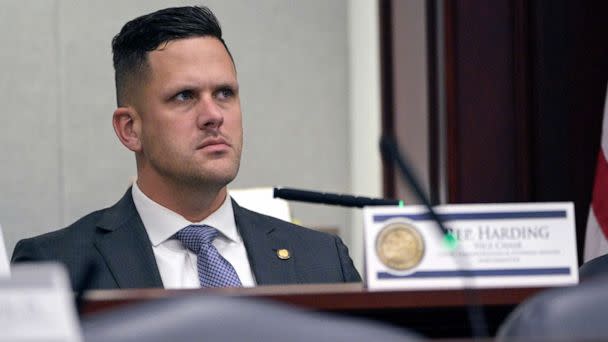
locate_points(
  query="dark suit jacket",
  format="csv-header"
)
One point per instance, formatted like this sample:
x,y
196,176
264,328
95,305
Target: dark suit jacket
x,y
110,249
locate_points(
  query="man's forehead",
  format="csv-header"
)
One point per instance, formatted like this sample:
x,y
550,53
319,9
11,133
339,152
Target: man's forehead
x,y
191,50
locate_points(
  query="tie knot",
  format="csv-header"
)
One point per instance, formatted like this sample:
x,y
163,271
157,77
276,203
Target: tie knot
x,y
196,236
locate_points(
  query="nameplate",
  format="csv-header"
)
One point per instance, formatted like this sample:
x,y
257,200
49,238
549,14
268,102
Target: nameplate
x,y
497,245
36,304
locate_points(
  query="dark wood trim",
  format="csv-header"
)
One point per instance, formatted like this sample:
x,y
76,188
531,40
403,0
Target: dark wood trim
x,y
351,296
434,314
451,98
387,91
433,104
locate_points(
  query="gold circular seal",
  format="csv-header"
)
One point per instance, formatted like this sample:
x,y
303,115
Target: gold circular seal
x,y
400,246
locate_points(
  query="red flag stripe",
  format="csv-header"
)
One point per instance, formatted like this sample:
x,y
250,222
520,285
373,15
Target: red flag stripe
x,y
600,193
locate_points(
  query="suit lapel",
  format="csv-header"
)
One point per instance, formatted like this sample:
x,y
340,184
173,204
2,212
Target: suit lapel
x,y
262,241
126,248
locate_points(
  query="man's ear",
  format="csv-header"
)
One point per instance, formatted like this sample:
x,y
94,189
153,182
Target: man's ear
x,y
127,125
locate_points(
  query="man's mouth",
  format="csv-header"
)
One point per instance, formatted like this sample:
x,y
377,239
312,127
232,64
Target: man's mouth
x,y
215,143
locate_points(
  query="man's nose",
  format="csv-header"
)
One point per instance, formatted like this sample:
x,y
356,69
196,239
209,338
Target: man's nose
x,y
209,114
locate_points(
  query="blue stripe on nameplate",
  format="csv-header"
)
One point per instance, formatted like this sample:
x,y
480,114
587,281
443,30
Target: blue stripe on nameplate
x,y
507,215
478,273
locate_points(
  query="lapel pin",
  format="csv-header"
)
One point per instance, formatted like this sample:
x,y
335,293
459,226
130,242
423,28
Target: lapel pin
x,y
283,254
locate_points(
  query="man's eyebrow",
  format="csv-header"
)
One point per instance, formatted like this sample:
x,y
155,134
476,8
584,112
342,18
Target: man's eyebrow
x,y
184,85
180,87
233,85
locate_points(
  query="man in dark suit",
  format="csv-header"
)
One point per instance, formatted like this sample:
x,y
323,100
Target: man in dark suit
x,y
179,112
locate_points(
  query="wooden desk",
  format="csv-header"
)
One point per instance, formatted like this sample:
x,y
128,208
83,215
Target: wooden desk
x,y
441,313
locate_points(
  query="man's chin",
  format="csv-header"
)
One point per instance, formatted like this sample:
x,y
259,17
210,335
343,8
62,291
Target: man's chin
x,y
214,178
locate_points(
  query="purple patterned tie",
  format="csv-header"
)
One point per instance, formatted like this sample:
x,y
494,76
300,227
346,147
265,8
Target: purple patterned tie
x,y
213,269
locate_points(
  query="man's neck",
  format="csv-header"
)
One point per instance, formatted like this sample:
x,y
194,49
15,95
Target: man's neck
x,y
193,203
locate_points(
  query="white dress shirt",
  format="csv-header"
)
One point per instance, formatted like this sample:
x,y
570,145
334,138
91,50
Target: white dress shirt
x,y
176,263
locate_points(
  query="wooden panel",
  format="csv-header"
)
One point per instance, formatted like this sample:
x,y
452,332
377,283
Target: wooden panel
x,y
482,148
525,84
570,72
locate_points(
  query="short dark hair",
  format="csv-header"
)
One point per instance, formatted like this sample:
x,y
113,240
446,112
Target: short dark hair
x,y
146,33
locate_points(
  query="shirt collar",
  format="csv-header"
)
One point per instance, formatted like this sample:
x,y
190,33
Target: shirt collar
x,y
162,223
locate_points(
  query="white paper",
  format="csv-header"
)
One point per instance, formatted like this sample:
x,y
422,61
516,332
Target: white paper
x,y
36,304
261,200
4,262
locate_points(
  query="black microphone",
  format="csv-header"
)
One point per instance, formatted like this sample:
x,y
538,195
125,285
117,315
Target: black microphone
x,y
329,198
390,151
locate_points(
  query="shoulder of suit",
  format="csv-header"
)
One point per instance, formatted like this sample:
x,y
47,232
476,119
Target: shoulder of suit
x,y
78,230
85,227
